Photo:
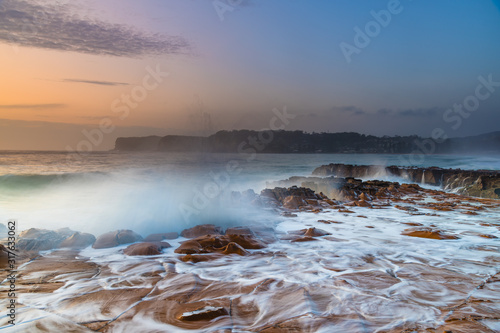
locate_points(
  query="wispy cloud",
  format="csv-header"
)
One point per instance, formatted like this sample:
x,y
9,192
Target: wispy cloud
x,y
101,83
31,106
25,23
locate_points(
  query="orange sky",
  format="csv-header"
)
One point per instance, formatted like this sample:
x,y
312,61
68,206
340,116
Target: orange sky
x,y
60,81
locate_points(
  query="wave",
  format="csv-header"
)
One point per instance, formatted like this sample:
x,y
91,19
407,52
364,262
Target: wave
x,y
142,200
16,182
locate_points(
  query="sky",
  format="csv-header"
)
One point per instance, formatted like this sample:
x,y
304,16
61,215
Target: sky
x,y
94,70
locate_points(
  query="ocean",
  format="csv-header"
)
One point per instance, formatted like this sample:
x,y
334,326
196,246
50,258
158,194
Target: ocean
x,y
149,192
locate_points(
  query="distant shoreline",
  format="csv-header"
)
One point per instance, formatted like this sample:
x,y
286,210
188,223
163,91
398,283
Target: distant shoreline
x,y
299,142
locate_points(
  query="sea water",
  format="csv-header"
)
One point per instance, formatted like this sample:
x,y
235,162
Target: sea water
x,y
151,192
366,277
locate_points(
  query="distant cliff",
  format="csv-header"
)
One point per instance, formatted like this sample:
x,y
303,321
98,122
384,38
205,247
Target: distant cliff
x,y
147,143
299,142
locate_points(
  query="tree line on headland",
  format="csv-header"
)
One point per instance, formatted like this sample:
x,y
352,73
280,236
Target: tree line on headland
x,y
299,142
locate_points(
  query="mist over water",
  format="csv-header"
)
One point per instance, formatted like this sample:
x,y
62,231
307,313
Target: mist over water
x,y
155,192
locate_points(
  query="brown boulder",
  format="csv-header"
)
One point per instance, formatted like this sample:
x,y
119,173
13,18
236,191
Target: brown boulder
x,y
239,231
160,237
35,239
292,196
145,249
66,232
209,242
293,202
225,244
190,247
311,232
194,258
427,233
201,230
234,248
4,256
363,196
78,241
115,238
246,241
304,239
363,203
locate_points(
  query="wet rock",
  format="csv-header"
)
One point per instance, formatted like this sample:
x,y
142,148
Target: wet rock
x,y
363,196
488,236
305,235
206,313
35,239
480,183
406,208
190,247
314,232
304,239
440,206
41,275
239,231
145,249
293,202
234,248
363,203
66,232
469,212
311,232
331,202
194,258
246,241
201,230
428,233
160,237
293,196
4,257
78,241
115,238
312,202
220,244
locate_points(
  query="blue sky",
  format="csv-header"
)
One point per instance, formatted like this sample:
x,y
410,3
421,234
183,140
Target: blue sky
x,y
262,55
